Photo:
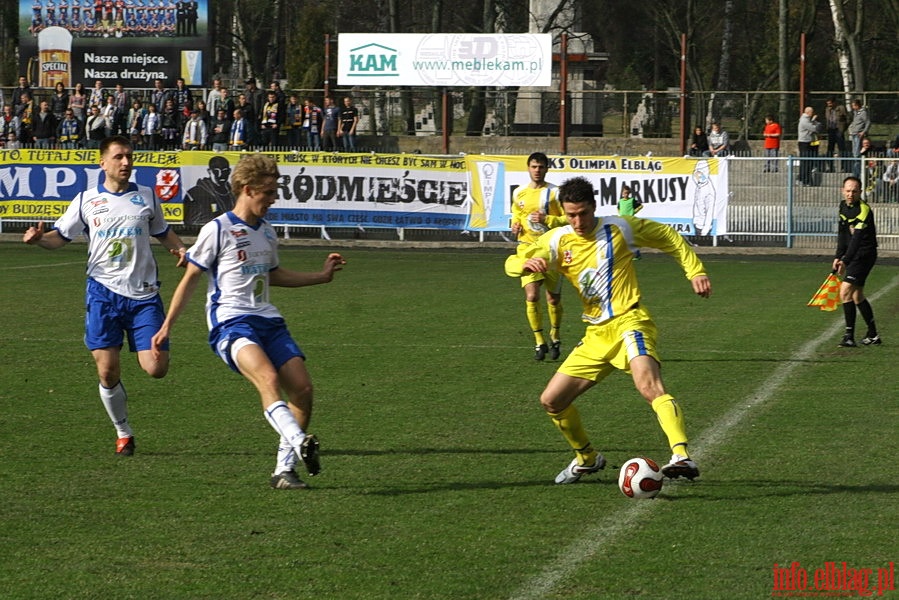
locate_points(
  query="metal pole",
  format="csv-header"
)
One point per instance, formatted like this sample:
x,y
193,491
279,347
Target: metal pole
x,y
327,64
563,92
445,122
683,94
802,72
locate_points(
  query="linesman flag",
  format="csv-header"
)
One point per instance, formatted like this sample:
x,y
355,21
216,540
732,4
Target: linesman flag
x,y
828,295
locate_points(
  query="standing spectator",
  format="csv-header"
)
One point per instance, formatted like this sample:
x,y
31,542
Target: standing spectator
x,y
222,102
151,128
70,131
25,112
275,86
122,103
123,278
270,120
255,97
854,259
135,120
293,122
329,128
837,120
251,118
772,133
699,142
719,142
95,128
171,126
891,182
43,127
238,251
220,130
183,97
349,119
159,95
59,101
78,102
194,132
893,148
858,128
312,124
10,125
110,112
240,136
214,95
23,91
807,133
98,95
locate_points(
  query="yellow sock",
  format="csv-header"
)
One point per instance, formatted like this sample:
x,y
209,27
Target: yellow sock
x,y
671,418
535,319
555,320
569,423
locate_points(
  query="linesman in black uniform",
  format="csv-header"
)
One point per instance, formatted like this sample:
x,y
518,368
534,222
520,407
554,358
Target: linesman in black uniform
x,y
855,257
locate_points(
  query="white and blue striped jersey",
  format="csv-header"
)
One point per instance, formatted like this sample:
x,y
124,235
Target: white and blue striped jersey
x,y
118,228
237,258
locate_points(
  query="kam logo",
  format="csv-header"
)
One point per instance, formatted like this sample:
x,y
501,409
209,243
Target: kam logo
x,y
373,60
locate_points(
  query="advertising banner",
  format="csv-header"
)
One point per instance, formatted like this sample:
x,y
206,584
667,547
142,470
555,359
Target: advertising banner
x,y
39,184
373,190
443,59
128,42
689,194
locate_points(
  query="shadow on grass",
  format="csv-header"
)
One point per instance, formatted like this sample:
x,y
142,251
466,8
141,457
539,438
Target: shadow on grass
x,y
754,489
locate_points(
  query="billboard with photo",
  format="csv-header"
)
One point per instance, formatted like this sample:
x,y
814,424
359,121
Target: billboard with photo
x,y
128,42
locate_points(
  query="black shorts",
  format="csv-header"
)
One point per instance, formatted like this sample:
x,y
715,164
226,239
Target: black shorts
x,y
857,271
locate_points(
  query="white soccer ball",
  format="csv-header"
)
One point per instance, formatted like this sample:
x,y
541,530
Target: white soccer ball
x,y
640,478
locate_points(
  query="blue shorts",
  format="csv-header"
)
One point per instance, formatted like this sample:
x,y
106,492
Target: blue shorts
x,y
270,334
109,316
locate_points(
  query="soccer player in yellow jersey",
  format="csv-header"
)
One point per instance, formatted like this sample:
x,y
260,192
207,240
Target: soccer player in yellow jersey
x,y
536,210
595,254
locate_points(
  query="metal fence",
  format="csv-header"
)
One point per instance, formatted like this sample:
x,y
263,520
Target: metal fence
x,y
591,112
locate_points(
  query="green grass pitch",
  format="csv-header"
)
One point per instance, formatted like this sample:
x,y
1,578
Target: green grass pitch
x,y
437,459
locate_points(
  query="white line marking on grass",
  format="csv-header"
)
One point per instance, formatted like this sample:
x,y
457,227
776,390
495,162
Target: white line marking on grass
x,y
605,532
64,264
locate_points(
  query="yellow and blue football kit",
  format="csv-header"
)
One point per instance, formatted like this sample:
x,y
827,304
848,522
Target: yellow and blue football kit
x,y
525,201
601,269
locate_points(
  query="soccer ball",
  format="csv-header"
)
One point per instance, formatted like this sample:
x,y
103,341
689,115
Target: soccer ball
x,y
640,478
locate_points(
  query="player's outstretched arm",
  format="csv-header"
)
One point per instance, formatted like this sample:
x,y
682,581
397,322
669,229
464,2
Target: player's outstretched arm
x,y
180,298
702,286
175,246
286,278
36,236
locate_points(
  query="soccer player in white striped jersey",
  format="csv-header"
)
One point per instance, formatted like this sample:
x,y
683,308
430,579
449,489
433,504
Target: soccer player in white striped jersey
x,y
596,255
239,252
119,218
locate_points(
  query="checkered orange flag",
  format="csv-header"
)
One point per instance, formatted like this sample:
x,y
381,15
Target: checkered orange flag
x,y
828,295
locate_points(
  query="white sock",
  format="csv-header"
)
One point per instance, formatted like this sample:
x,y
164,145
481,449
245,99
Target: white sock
x,y
281,419
115,400
287,457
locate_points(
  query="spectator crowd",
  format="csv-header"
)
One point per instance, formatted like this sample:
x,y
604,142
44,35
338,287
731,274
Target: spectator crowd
x,y
172,118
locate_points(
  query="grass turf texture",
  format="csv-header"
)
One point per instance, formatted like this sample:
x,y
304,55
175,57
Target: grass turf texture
x,y
437,460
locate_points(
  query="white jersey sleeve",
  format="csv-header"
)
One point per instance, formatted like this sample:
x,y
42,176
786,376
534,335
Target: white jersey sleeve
x,y
118,228
237,259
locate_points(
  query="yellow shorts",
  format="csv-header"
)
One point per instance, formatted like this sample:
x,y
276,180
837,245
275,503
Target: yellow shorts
x,y
612,345
551,279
